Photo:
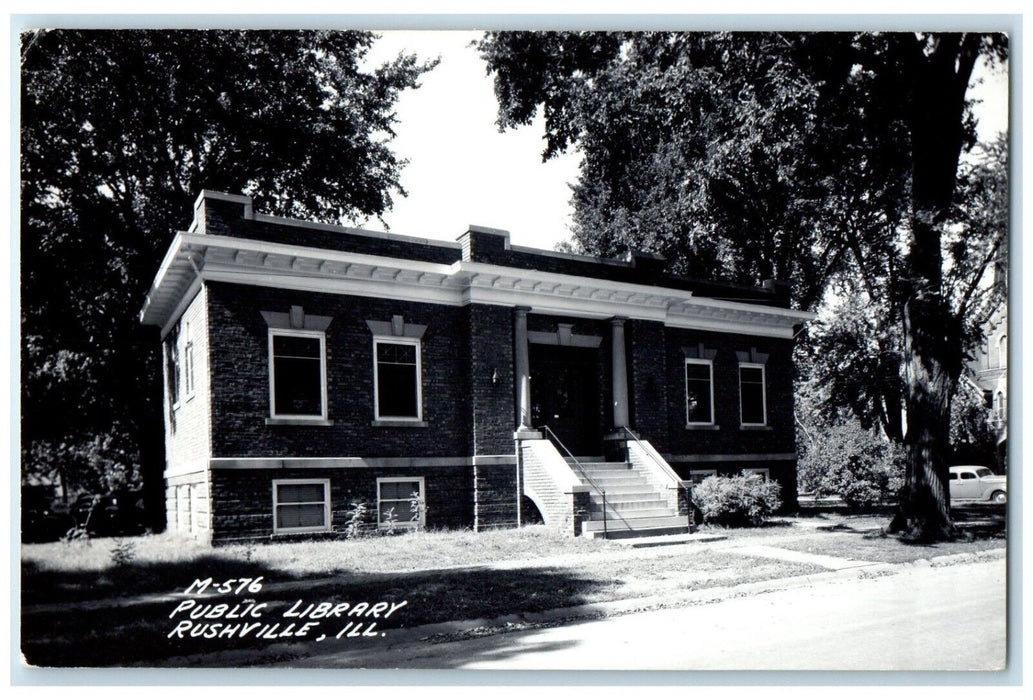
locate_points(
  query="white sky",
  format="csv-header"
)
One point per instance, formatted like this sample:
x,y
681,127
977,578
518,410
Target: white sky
x,y
462,171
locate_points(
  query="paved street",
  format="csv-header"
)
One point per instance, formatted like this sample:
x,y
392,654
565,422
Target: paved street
x,y
923,618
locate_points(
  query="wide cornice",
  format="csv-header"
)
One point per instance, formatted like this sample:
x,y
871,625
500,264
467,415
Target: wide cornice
x,y
195,258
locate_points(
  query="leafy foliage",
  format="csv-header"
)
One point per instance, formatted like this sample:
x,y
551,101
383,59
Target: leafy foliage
x,y
741,500
853,361
852,462
123,552
359,523
120,132
417,510
973,428
826,160
728,153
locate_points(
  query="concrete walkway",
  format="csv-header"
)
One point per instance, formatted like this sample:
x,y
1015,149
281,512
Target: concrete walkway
x,y
822,560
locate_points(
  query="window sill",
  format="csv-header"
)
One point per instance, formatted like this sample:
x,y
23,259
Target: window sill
x,y
298,421
398,423
702,426
755,427
304,533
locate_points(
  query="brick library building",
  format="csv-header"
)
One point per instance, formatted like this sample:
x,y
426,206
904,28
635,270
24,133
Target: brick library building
x,y
310,368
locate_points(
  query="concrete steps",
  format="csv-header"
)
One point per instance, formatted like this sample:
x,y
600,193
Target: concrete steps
x,y
633,507
636,527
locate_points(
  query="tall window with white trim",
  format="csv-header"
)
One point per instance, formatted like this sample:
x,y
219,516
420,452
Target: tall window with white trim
x,y
752,394
297,374
188,362
699,392
301,505
397,379
172,367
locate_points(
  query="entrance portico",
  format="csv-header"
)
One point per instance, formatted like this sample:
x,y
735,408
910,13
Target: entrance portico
x,y
560,375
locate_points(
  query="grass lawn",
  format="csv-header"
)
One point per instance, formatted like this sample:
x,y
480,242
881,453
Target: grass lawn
x,y
85,569
502,573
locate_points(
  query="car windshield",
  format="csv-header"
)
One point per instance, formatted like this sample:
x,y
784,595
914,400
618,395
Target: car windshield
x,y
984,472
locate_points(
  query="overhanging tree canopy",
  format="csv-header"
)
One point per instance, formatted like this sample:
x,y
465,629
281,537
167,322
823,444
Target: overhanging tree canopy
x,y
798,156
120,132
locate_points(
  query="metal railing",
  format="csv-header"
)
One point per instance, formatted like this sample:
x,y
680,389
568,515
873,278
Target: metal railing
x,y
601,491
666,469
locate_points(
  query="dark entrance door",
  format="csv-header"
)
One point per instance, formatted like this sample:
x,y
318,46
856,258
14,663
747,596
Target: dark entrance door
x,y
565,395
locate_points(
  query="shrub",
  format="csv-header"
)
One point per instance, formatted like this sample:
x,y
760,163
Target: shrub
x,y
737,500
123,552
854,463
358,524
417,509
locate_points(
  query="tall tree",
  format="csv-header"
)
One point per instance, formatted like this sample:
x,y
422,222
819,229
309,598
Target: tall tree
x,y
936,70
808,157
120,132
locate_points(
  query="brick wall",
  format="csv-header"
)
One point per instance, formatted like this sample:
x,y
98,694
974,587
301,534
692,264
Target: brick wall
x,y
188,423
240,378
729,438
491,380
557,501
242,501
647,378
495,497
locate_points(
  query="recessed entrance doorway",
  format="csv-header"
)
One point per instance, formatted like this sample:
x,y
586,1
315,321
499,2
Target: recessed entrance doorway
x,y
565,395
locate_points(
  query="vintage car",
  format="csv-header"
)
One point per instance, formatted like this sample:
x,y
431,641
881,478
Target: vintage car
x,y
975,483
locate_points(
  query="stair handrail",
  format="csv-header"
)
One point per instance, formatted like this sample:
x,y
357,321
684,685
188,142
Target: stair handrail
x,y
667,470
602,492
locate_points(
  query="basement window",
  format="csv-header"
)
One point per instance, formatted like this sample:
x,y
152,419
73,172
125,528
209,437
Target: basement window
x,y
764,474
301,505
396,498
696,476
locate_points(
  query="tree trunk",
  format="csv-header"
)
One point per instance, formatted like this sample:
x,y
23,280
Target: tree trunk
x,y
892,397
941,66
925,506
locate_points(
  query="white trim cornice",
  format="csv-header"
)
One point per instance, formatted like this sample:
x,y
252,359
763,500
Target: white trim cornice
x,y
246,261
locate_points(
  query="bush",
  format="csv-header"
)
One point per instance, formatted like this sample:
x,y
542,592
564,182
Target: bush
x,y
745,499
123,552
854,463
358,524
